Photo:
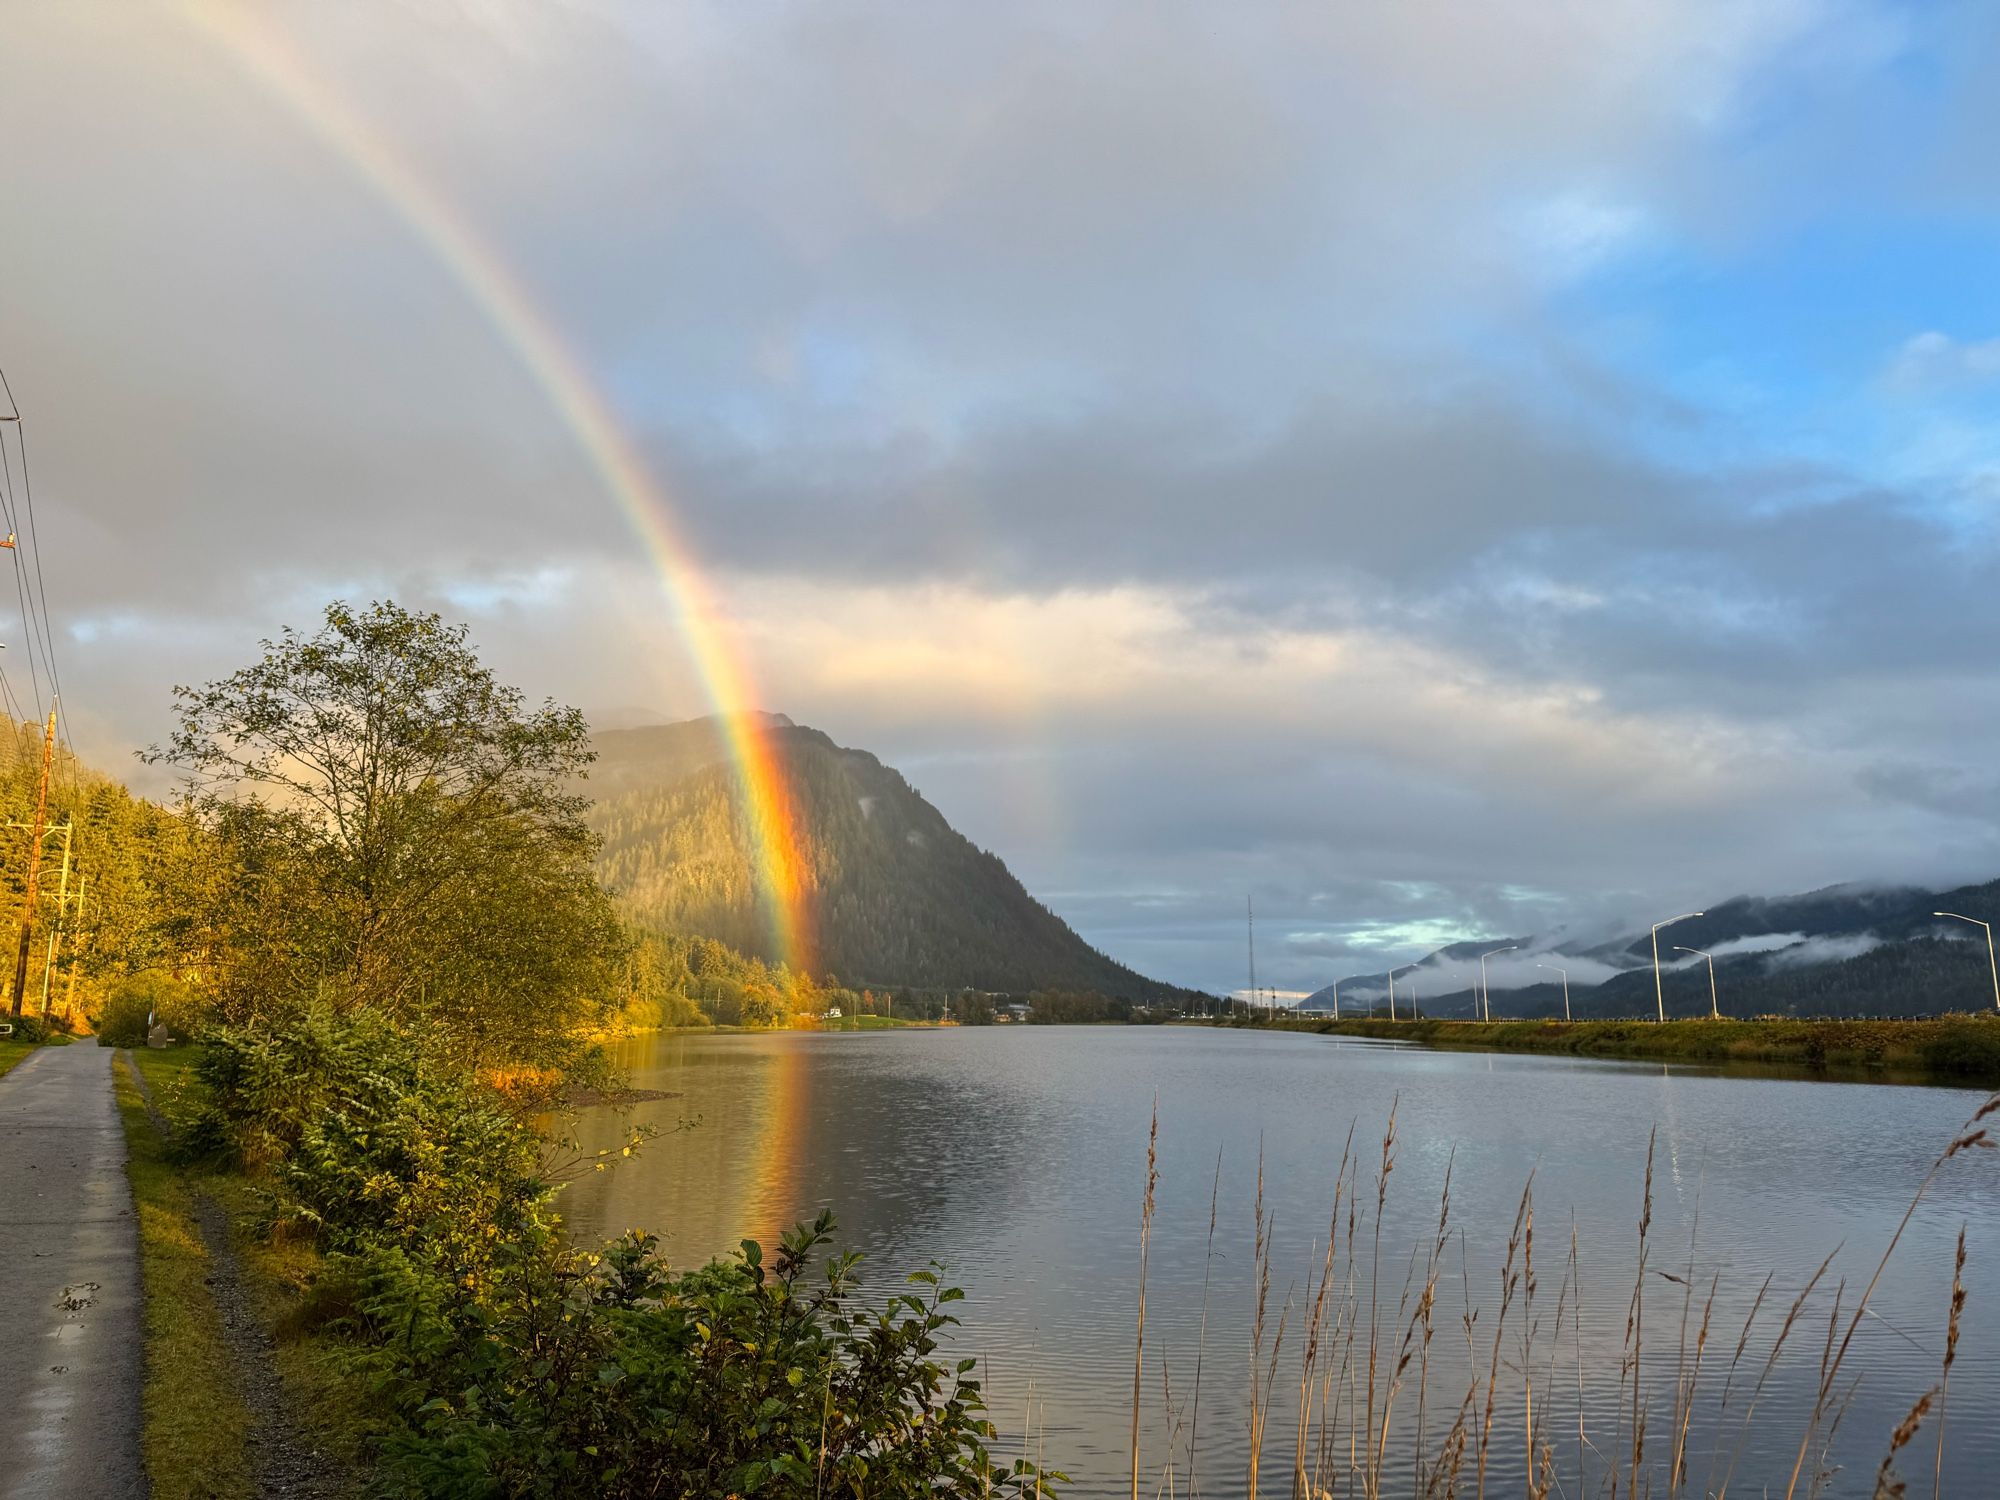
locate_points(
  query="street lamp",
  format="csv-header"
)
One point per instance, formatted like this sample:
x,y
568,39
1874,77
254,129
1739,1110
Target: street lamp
x,y
1485,989
1659,993
1565,974
1989,949
1714,1012
1392,987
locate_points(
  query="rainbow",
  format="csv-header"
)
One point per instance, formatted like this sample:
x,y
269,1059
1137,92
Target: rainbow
x,y
493,288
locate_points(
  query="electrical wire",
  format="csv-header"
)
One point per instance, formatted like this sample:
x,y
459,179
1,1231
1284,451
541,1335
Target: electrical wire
x,y
20,574
41,587
67,761
32,597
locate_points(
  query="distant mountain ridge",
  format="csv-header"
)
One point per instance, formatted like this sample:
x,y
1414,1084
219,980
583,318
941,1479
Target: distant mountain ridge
x,y
1855,949
896,897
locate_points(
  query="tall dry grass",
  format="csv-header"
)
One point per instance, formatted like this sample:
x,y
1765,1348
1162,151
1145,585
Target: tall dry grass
x,y
1367,1421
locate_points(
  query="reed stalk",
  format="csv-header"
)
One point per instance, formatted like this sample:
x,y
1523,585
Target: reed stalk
x,y
1973,1138
1201,1340
1950,1358
1145,1249
1261,1273
1358,1353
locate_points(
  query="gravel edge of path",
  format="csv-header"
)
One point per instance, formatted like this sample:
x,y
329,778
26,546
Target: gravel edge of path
x,y
283,1462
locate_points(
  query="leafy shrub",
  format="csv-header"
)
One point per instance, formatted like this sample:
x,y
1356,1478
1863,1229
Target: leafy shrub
x,y
575,1376
519,1366
30,1028
123,1020
369,1133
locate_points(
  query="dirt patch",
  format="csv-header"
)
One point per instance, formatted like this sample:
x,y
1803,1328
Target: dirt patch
x,y
583,1098
146,1097
284,1462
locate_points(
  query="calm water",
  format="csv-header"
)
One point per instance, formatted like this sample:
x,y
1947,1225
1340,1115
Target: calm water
x,y
1017,1156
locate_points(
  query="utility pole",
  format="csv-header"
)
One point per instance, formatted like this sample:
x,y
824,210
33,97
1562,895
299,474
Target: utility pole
x,y
35,861
62,908
69,986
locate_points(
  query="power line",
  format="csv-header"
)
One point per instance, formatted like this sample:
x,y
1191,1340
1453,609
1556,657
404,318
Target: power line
x,y
20,575
41,587
34,601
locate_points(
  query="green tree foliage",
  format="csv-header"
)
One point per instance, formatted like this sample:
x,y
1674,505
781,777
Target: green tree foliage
x,y
1056,1008
672,980
127,859
385,815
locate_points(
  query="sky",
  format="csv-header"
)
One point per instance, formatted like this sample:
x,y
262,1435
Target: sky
x,y
1443,471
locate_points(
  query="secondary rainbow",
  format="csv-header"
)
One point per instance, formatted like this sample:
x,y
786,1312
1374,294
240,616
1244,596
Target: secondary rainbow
x,y
498,293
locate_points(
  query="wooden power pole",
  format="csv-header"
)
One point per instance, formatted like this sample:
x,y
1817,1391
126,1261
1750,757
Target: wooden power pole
x,y
35,861
62,910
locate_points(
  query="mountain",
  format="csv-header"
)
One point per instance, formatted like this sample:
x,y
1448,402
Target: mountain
x,y
896,897
1842,950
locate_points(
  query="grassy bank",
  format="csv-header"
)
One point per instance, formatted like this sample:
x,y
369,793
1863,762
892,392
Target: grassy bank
x,y
1947,1048
17,1049
195,1420
13,1053
201,1433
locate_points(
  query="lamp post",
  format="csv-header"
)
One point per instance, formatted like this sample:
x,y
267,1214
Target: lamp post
x,y
1714,1011
1485,990
1659,992
1565,974
1392,987
1990,963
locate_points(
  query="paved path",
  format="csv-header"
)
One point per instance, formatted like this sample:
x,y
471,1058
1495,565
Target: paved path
x,y
70,1348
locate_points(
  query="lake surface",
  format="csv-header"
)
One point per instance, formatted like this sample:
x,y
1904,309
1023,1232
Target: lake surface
x,y
1017,1155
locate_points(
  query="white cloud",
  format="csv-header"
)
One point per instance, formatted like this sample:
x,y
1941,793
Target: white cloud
x,y
1932,361
1828,950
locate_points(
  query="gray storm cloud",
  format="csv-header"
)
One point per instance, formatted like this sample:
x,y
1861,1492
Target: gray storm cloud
x,y
1156,427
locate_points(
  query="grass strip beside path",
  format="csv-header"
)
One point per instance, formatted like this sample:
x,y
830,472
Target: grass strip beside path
x,y
195,1420
14,1051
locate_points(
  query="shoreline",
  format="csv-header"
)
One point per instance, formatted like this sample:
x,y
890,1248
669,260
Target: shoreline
x,y
1955,1050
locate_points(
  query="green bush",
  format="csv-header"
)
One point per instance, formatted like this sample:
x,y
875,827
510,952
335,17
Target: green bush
x,y
29,1028
369,1133
520,1366
122,1021
586,1376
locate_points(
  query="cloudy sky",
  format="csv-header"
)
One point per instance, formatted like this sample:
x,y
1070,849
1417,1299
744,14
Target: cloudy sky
x,y
1446,469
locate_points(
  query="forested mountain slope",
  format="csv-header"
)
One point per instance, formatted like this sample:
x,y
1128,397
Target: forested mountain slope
x,y
1845,950
895,895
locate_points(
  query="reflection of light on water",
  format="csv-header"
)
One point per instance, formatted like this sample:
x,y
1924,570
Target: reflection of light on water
x,y
1018,1156
771,1199
1670,1096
